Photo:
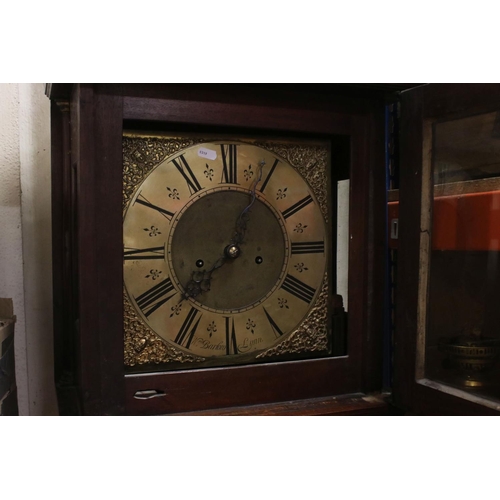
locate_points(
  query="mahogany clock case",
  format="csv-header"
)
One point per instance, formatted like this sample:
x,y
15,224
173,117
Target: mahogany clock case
x,y
88,123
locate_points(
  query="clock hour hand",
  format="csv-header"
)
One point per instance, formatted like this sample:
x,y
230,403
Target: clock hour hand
x,y
200,280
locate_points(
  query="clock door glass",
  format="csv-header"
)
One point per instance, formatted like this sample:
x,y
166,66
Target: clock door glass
x,y
462,338
226,251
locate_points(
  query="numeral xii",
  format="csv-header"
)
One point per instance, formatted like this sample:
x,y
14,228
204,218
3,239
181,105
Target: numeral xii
x,y
229,155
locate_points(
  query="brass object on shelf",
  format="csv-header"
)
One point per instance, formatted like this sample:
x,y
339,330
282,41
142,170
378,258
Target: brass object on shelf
x,y
474,356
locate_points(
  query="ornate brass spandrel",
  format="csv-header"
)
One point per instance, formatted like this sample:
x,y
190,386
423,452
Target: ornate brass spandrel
x,y
144,346
312,334
141,154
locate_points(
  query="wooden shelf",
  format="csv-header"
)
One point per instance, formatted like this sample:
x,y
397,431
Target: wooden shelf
x,y
466,215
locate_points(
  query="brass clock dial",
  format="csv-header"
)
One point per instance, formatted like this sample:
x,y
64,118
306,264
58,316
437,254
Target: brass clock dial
x,y
225,251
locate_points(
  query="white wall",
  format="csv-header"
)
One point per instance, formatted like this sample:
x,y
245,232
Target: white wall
x,y
25,239
11,261
343,240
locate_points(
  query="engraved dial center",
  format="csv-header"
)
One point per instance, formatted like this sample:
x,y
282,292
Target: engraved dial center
x,y
202,233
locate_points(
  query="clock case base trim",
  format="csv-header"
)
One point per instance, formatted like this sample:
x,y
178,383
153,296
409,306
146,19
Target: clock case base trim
x,y
345,405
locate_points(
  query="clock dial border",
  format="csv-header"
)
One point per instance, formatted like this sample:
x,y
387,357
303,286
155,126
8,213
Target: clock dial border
x,y
142,345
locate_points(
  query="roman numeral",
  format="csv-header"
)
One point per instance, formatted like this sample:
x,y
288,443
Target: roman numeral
x,y
143,201
308,247
297,206
264,184
155,297
231,344
298,289
229,164
276,329
182,166
144,253
187,331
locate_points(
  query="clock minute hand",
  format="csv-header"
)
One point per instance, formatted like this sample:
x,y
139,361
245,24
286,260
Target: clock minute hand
x,y
200,280
241,222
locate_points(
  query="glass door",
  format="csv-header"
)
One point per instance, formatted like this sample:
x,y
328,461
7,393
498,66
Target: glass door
x,y
462,338
449,308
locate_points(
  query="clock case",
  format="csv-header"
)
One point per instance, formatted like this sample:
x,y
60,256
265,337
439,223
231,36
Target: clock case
x,y
88,121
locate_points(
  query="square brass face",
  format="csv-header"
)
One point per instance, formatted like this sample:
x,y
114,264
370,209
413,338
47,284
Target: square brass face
x,y
181,195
